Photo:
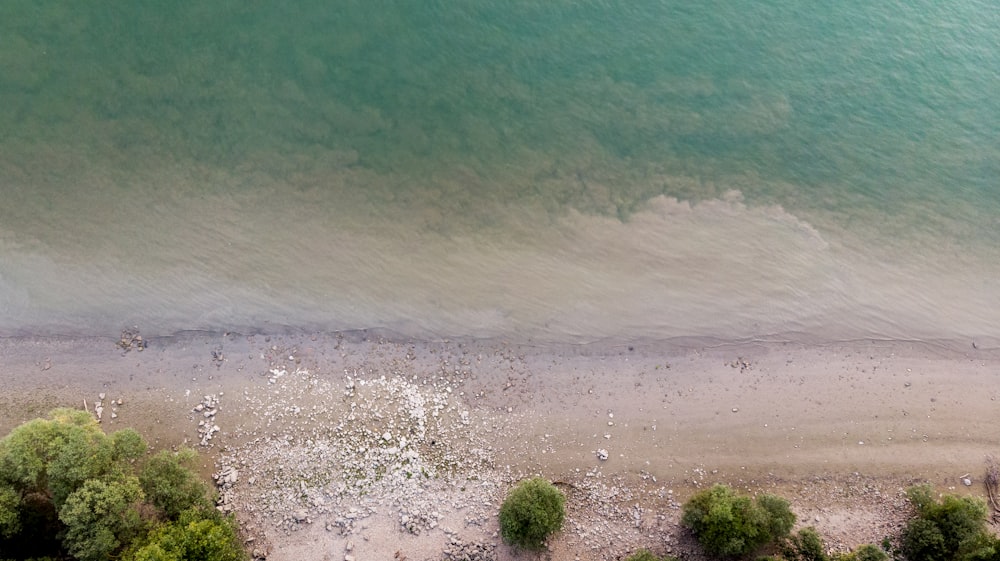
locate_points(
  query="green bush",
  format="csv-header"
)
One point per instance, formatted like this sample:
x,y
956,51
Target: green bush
x,y
730,525
55,456
10,519
197,534
866,552
532,511
102,517
953,528
646,555
69,490
170,485
805,545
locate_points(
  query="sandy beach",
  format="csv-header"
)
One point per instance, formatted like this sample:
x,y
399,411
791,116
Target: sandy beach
x,y
354,446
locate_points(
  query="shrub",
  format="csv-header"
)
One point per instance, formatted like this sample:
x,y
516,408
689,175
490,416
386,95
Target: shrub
x,y
55,456
69,490
101,517
953,528
727,524
866,552
10,519
780,516
646,555
806,545
532,511
197,534
170,486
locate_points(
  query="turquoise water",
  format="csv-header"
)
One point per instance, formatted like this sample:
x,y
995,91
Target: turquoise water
x,y
561,171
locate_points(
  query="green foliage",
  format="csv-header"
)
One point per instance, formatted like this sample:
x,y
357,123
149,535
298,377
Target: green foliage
x,y
127,446
730,525
951,529
780,516
197,534
170,485
646,555
69,490
10,519
805,545
532,511
101,517
866,552
923,541
55,456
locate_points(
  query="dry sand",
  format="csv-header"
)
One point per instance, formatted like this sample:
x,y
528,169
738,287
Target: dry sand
x,y
354,447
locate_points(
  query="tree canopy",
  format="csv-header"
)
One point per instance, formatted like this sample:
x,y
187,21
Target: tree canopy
x,y
68,490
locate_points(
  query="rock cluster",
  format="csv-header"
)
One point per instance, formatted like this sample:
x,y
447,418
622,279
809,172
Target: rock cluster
x,y
458,550
207,428
324,445
131,339
99,407
225,479
416,521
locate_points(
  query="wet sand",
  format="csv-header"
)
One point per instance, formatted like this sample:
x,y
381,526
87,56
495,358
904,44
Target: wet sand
x,y
839,429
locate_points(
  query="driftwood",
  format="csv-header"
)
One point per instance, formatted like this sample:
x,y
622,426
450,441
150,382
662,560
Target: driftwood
x,y
992,482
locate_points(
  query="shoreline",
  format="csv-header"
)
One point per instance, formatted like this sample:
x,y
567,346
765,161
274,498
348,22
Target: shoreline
x,y
839,429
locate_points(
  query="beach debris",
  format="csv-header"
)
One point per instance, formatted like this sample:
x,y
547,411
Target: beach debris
x,y
131,339
602,454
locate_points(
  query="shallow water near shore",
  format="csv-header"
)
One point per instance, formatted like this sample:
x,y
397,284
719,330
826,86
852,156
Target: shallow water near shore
x,y
547,171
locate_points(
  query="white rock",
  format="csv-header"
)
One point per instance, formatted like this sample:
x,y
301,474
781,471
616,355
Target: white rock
x,y
602,454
